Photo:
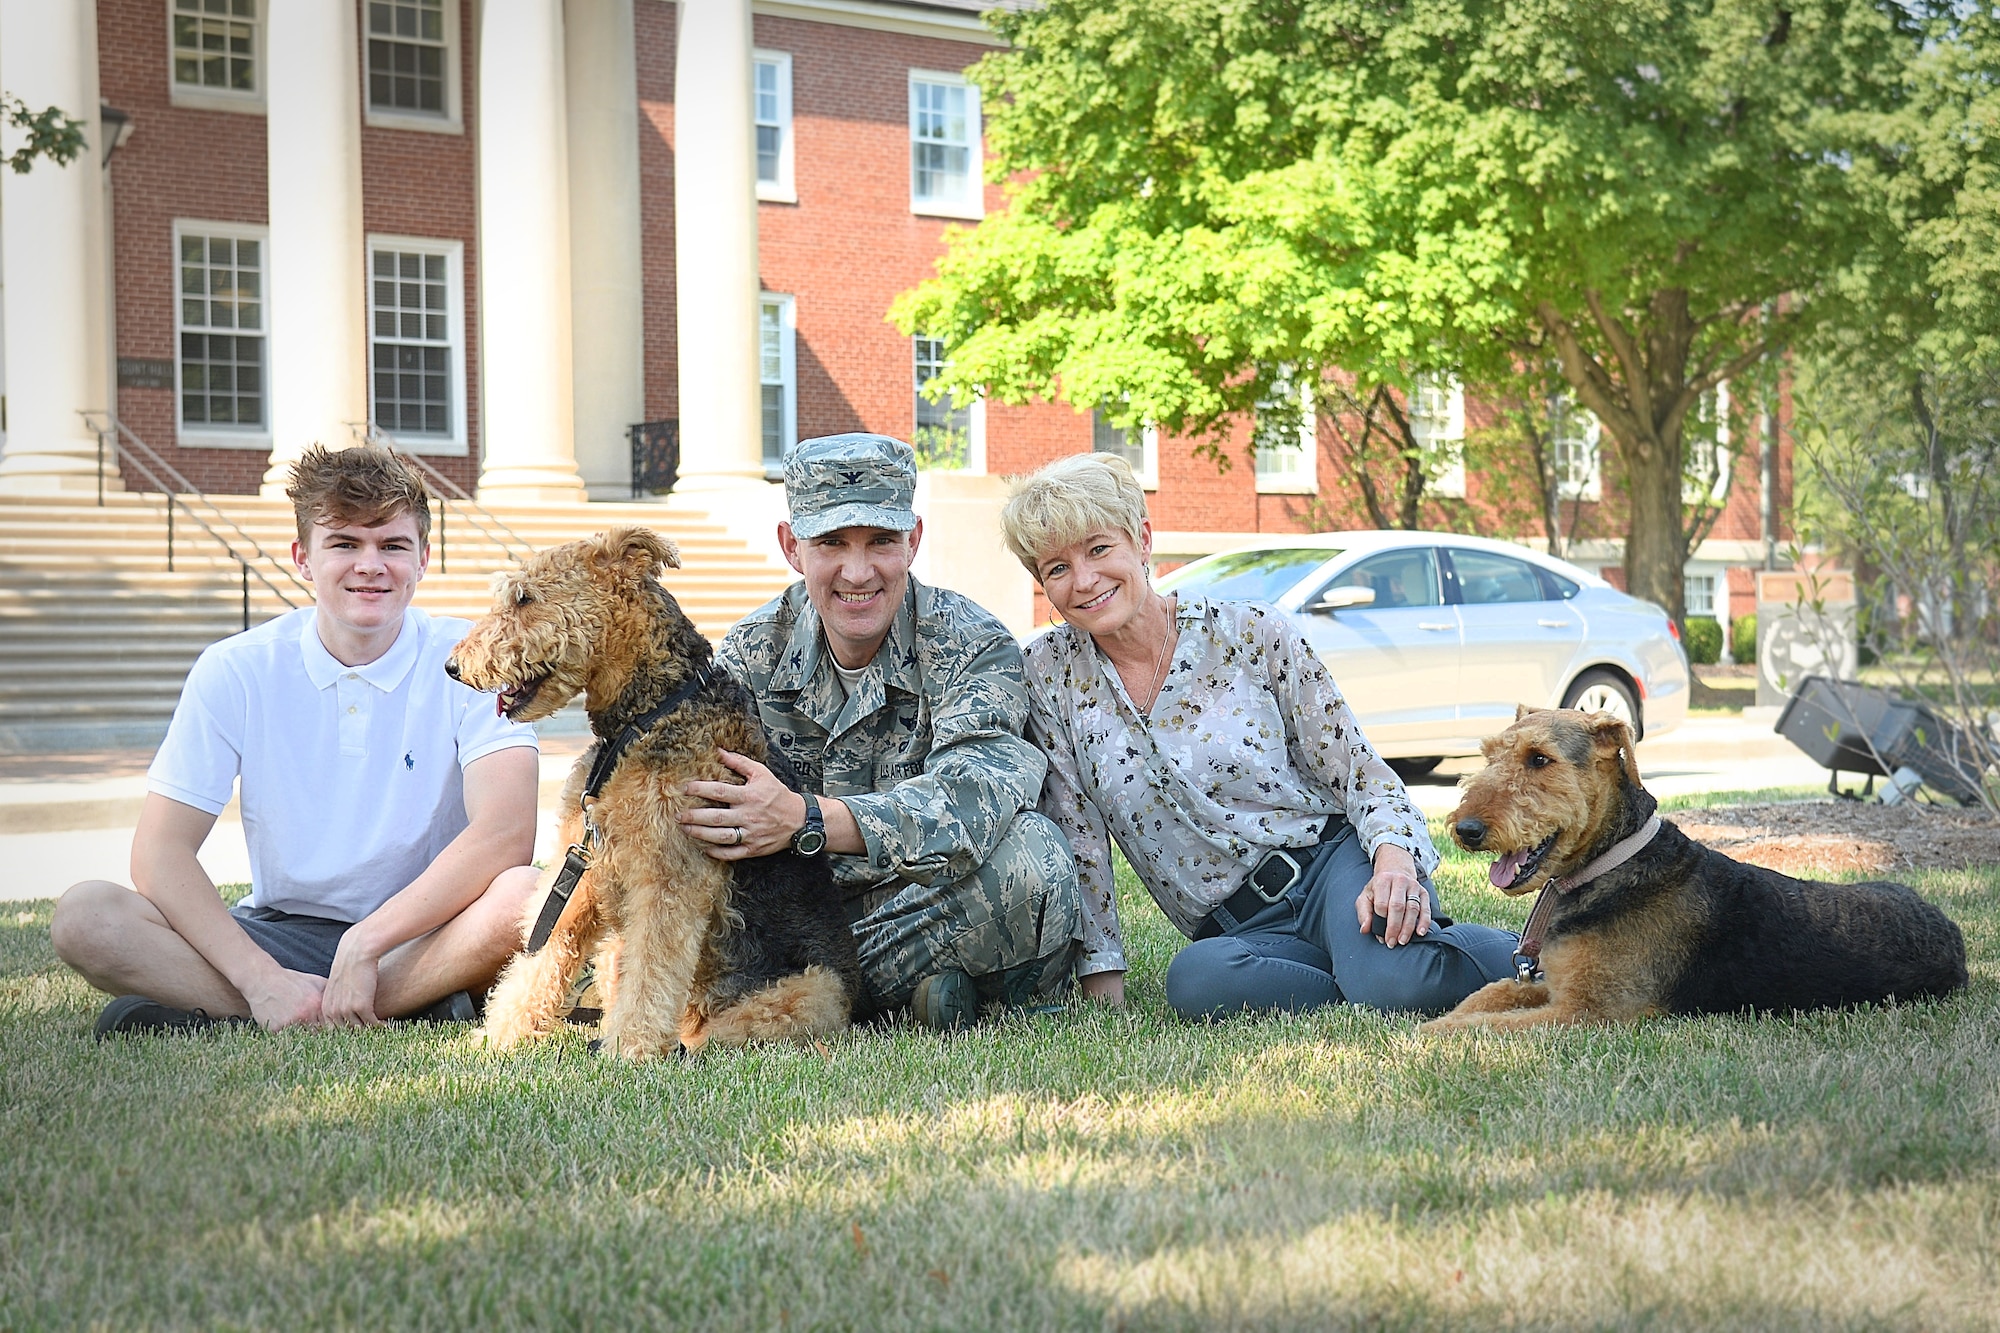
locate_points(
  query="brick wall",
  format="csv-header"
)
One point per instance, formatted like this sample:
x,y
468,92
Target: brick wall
x,y
211,166
179,163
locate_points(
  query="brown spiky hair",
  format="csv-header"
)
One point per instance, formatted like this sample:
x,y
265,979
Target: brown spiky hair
x,y
366,485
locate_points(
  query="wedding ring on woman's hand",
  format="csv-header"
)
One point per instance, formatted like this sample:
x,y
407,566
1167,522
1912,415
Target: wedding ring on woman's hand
x,y
739,836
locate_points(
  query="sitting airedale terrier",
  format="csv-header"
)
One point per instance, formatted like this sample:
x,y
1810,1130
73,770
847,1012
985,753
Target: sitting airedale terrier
x,y
1643,920
695,952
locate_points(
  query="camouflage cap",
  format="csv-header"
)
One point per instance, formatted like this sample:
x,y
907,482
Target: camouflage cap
x,y
851,481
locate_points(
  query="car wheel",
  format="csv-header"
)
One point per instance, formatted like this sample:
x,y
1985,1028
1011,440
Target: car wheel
x,y
1603,692
1411,769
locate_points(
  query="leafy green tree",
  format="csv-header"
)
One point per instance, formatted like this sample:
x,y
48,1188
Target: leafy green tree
x,y
1210,196
51,133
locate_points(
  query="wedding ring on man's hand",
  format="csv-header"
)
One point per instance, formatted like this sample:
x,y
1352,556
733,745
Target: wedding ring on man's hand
x,y
739,836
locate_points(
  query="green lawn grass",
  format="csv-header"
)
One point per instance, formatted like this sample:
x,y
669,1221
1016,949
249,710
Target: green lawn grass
x,y
1087,1170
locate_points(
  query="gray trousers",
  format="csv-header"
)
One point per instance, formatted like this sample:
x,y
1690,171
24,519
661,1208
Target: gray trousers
x,y
1307,951
1012,925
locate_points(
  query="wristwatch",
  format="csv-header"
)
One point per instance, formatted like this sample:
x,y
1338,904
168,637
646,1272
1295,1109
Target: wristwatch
x,y
810,840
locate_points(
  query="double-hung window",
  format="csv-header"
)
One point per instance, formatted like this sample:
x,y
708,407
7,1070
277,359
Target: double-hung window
x,y
1286,438
412,73
1574,435
943,435
1139,448
1705,448
416,354
1437,422
216,49
776,371
221,345
1698,593
944,146
771,107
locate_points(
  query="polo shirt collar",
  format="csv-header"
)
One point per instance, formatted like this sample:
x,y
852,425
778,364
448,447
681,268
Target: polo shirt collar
x,y
385,673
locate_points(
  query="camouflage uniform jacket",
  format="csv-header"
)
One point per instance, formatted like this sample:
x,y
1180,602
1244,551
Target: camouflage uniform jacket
x,y
927,754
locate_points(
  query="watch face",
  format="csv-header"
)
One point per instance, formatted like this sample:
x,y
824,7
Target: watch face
x,y
809,842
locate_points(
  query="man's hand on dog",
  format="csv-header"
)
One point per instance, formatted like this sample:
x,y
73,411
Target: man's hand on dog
x,y
1394,892
757,818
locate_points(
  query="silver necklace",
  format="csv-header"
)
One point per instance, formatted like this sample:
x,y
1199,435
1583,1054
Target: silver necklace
x,y
1158,679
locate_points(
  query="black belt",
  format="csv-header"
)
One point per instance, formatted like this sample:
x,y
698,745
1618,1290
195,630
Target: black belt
x,y
1276,874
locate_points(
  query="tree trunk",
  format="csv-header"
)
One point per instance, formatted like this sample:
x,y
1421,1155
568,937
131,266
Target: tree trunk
x,y
1655,556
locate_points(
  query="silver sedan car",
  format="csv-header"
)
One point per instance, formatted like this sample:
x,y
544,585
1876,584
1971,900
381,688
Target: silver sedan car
x,y
1434,638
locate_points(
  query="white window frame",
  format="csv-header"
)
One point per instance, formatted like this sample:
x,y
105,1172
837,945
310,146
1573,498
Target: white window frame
x,y
788,368
1148,471
972,205
783,190
1439,428
221,99
1716,589
1299,474
395,118
1590,437
456,443
1716,400
205,435
975,413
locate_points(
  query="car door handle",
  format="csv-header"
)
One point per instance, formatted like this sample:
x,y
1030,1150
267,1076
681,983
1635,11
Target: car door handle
x,y
1423,625
1553,624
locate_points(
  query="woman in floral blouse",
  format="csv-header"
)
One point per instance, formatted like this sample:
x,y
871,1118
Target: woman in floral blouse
x,y
1208,741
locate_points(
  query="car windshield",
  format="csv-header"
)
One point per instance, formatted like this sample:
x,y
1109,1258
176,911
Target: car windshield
x,y
1249,576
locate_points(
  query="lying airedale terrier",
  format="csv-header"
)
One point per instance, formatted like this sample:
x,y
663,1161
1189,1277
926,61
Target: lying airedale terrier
x,y
1646,921
694,952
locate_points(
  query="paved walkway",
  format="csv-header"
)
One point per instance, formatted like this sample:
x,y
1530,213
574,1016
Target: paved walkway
x,y
64,818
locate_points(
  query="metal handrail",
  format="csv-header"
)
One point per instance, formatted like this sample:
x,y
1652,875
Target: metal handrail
x,y
498,533
108,428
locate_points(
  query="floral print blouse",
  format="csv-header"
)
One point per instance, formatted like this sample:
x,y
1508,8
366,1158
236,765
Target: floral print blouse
x,y
1249,746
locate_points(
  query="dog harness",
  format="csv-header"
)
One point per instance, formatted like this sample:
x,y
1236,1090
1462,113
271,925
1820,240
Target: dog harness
x,y
577,859
1528,954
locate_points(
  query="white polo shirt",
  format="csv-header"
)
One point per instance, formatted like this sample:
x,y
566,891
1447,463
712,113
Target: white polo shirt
x,y
352,776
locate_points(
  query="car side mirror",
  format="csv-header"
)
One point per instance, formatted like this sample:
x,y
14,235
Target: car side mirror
x,y
1339,599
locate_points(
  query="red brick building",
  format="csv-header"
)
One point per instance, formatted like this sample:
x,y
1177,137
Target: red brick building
x,y
502,233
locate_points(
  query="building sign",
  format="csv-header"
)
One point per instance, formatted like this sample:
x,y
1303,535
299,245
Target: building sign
x,y
144,372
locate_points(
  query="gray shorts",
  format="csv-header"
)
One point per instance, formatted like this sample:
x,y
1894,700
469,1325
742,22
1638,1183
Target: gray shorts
x,y
299,943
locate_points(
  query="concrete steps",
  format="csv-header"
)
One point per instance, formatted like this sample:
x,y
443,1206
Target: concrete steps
x,y
96,634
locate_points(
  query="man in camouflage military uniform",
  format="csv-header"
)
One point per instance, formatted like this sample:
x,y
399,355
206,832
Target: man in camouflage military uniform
x,y
904,705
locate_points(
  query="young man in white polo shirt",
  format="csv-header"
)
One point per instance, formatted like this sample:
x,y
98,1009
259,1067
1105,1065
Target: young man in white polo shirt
x,y
390,813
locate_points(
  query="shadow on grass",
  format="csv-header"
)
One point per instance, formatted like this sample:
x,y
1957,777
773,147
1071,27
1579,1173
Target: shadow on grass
x,y
1073,1171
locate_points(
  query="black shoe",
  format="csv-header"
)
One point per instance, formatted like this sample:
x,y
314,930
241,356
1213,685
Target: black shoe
x,y
456,1007
945,1001
136,1013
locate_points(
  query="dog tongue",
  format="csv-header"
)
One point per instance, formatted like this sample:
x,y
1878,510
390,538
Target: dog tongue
x,y
1503,871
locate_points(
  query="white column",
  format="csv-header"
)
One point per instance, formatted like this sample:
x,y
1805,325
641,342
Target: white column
x,y
52,229
715,246
319,283
529,421
607,272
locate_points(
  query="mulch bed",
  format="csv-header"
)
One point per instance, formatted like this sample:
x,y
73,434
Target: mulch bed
x,y
1817,838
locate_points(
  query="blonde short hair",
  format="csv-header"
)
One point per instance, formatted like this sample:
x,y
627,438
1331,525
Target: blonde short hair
x,y
1067,501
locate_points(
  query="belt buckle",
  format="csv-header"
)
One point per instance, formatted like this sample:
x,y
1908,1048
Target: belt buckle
x,y
1277,894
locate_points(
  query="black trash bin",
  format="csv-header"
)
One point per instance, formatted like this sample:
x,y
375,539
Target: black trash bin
x,y
1849,727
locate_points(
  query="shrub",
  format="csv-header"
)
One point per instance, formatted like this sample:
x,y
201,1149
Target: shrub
x,y
1704,640
1743,638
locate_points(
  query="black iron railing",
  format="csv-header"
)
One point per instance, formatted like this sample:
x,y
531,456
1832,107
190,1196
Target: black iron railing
x,y
117,442
656,457
447,492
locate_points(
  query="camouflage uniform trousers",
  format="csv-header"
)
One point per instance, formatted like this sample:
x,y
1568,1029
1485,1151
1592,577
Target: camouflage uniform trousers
x,y
1012,925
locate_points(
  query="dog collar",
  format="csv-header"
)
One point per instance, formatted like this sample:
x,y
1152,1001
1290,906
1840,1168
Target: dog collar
x,y
577,859
1528,954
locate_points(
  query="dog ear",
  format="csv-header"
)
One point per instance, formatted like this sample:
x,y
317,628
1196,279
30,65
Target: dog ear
x,y
1522,710
639,550
1614,737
